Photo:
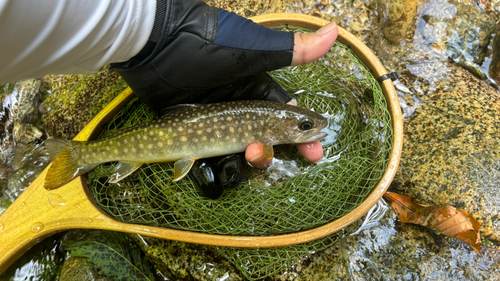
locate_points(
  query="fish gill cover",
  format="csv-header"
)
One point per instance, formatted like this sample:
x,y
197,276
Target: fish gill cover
x,y
292,194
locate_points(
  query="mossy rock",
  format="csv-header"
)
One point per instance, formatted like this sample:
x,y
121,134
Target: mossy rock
x,y
75,99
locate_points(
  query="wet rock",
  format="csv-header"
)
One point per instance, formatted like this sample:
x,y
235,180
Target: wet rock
x,y
396,251
71,101
184,261
76,268
450,150
401,14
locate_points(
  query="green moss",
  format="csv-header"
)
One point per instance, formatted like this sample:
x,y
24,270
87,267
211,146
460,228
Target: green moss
x,y
71,101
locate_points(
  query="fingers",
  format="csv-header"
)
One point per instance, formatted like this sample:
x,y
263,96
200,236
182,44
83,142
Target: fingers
x,y
312,151
255,156
311,46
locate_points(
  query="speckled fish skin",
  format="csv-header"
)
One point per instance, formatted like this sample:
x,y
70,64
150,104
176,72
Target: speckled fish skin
x,y
192,132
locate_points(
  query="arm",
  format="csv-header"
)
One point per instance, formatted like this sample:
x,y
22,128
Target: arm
x,y
62,37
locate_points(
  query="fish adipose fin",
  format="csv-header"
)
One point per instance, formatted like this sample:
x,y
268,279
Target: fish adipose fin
x,y
63,168
182,167
123,170
268,151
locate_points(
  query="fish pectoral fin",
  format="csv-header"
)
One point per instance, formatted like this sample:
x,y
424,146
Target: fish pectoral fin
x,y
182,167
123,170
268,151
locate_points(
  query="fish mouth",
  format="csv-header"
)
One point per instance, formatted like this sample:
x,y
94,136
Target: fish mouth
x,y
310,138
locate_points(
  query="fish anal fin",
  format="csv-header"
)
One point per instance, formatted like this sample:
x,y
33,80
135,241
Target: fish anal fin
x,y
182,167
268,151
123,170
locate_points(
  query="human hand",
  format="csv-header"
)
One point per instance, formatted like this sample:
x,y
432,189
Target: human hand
x,y
207,55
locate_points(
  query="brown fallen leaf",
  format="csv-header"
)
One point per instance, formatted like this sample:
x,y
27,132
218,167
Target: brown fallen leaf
x,y
449,221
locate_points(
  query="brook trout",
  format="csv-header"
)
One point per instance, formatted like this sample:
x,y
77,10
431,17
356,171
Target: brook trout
x,y
187,133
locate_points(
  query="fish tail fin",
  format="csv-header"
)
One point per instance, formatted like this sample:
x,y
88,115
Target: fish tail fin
x,y
63,167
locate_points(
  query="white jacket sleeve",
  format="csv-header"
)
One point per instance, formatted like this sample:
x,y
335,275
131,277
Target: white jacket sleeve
x,y
70,36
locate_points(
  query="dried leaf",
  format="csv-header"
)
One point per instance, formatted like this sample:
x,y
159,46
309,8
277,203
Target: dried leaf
x,y
449,221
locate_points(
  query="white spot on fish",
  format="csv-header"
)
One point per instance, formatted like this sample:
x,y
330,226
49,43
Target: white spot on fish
x,y
163,124
218,133
183,138
239,130
231,129
145,137
229,118
195,139
151,133
180,129
168,130
157,126
132,139
115,151
200,124
161,132
141,145
204,138
160,144
150,146
125,141
190,131
227,137
215,119
199,132
170,142
134,150
249,127
209,130
176,119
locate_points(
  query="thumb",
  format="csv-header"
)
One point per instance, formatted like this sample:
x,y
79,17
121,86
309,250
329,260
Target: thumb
x,y
311,46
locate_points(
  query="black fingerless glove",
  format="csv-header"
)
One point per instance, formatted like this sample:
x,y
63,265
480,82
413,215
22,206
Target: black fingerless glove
x,y
204,54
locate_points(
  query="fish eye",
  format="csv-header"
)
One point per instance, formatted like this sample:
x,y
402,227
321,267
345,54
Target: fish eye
x,y
306,123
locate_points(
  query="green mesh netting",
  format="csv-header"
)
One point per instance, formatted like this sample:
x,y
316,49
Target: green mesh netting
x,y
289,196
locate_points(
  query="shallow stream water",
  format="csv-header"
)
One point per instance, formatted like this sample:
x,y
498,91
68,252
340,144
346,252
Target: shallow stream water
x,y
420,40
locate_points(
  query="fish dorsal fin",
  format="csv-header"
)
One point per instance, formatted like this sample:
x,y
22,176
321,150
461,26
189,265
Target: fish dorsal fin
x,y
178,108
182,167
123,170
